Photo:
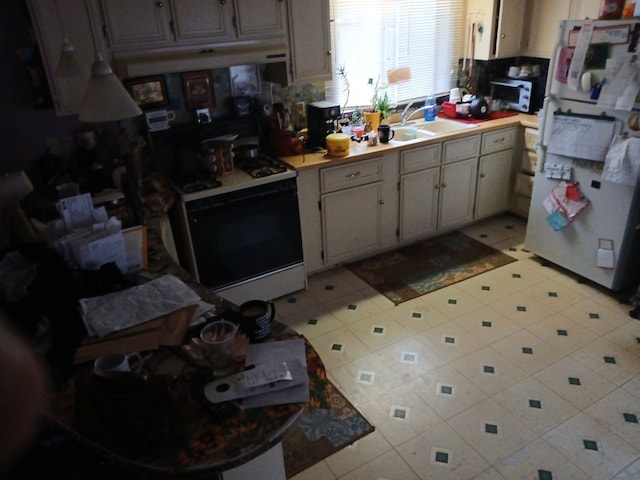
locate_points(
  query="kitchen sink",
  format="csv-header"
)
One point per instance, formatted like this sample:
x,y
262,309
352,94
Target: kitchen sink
x,y
422,129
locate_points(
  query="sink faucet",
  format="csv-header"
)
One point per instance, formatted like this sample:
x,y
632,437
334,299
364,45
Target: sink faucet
x,y
406,117
404,113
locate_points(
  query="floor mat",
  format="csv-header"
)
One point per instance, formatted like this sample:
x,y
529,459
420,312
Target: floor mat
x,y
429,265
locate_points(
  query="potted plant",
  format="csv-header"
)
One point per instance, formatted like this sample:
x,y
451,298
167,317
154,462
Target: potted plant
x,y
379,107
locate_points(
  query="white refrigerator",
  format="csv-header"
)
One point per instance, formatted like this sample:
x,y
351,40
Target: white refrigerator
x,y
585,205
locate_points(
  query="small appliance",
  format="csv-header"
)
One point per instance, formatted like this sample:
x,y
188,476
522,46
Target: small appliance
x,y
519,94
322,119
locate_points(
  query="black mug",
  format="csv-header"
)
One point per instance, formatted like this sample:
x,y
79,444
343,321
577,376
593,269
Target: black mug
x,y
385,133
255,317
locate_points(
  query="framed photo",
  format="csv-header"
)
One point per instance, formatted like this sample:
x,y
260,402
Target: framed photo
x,y
244,80
198,89
148,92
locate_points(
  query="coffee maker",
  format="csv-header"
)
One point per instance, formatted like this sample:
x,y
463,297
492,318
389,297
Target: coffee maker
x,y
322,119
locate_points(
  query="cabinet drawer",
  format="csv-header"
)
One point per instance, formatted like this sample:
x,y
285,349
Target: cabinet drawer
x,y
531,138
455,150
524,184
344,176
498,140
419,158
528,162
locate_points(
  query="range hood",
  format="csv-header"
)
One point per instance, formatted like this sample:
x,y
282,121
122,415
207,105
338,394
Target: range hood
x,y
138,64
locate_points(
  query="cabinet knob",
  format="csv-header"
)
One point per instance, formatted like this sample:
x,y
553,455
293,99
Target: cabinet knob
x,y
159,4
503,36
352,175
482,175
381,202
444,185
222,2
436,186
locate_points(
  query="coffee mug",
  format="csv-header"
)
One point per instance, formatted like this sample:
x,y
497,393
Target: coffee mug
x,y
255,319
385,133
159,120
119,363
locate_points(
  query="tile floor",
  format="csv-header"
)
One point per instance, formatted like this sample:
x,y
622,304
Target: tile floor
x,y
529,374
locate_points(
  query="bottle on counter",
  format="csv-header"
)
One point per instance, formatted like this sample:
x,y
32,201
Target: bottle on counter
x,y
430,108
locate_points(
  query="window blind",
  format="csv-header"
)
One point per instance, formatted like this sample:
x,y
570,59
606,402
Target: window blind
x,y
371,37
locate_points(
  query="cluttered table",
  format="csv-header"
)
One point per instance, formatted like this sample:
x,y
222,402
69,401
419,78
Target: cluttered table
x,y
162,419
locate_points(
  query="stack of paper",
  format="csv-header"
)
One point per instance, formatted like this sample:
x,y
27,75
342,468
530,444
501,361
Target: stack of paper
x,y
87,238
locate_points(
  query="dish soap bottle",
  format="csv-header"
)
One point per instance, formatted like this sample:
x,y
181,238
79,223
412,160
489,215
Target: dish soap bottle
x,y
430,108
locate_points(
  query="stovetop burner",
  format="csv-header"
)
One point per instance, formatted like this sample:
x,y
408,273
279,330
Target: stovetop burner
x,y
261,166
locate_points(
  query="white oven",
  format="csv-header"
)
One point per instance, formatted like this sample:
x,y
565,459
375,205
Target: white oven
x,y
242,239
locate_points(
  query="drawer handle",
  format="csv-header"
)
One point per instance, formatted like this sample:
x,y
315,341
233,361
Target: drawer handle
x,y
499,140
353,175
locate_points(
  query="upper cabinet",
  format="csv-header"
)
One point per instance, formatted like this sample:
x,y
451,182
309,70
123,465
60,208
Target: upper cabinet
x,y
310,39
49,23
498,28
544,17
145,24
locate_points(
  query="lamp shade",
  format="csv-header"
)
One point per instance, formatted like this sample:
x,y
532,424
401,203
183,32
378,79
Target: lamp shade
x,y
106,99
14,187
68,65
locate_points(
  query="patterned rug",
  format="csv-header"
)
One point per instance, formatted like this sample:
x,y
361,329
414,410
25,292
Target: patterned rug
x,y
429,265
321,432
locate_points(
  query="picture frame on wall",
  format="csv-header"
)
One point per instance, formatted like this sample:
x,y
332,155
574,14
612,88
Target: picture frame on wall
x,y
148,92
245,80
198,89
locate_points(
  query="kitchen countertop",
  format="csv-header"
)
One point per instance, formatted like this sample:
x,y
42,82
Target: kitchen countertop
x,y
361,151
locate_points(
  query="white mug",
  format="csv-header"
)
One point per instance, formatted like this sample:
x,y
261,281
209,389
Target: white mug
x,y
514,71
118,363
159,120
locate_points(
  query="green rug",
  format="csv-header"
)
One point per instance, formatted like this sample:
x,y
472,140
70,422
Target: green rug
x,y
321,432
429,265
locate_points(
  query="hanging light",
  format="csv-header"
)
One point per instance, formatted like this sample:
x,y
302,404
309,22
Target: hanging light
x,y
106,99
68,65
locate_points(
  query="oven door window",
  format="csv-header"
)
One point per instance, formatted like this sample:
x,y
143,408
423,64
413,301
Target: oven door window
x,y
509,94
245,239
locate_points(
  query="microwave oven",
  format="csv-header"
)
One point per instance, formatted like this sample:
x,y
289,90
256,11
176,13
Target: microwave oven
x,y
518,94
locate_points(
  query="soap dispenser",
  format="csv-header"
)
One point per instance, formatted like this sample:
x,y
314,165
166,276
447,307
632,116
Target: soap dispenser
x,y
430,108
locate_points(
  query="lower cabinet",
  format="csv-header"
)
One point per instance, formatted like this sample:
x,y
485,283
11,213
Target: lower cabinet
x,y
360,208
352,221
358,204
457,189
493,190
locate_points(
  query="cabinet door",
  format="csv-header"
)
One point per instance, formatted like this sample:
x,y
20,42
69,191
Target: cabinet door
x,y
67,93
351,222
310,40
208,20
493,183
508,38
502,22
419,193
137,23
457,193
260,18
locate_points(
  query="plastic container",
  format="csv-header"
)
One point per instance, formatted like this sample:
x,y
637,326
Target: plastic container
x,y
337,145
430,108
449,109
